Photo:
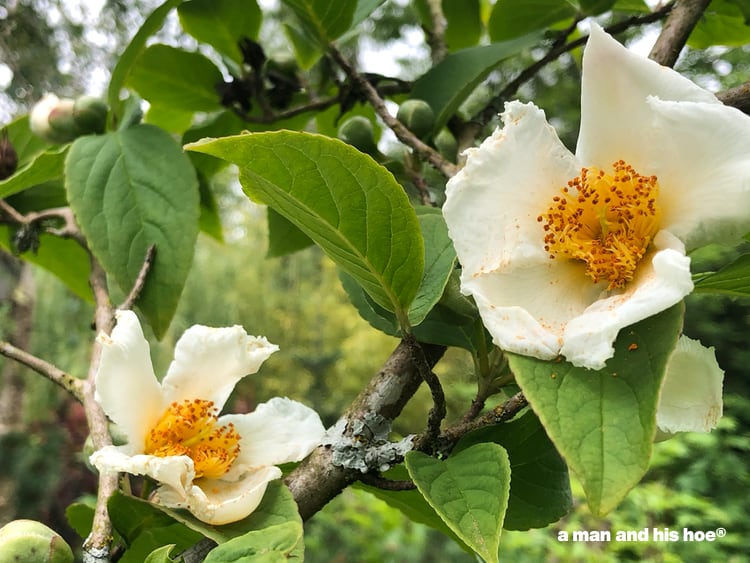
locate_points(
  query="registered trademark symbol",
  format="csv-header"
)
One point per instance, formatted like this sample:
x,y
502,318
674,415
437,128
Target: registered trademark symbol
x,y
721,532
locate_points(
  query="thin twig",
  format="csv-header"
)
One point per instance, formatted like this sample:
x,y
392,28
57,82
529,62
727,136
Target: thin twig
x,y
140,281
501,413
71,384
448,169
676,30
68,230
438,411
375,480
96,548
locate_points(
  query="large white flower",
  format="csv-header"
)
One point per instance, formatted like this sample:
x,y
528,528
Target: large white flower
x,y
562,250
217,467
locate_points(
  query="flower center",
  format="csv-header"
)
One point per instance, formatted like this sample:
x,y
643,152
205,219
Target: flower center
x,y
606,221
190,428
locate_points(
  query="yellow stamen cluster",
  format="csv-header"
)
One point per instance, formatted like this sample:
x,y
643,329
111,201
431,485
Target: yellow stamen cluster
x,y
190,428
606,221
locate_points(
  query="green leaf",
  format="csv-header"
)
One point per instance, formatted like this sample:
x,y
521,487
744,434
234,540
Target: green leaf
x,y
279,543
513,18
25,143
412,504
144,527
160,555
181,80
125,62
130,189
469,491
364,9
46,166
443,325
603,422
210,219
80,516
446,85
539,483
283,237
221,23
733,279
324,20
722,23
595,7
464,23
349,205
277,507
440,259
64,258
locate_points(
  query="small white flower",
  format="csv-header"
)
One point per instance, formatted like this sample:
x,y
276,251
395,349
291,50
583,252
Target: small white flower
x,y
690,399
560,250
215,466
39,117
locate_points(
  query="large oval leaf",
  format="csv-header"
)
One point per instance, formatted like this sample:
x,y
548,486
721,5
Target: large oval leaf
x,y
469,491
130,189
178,79
446,85
603,422
342,199
539,485
512,18
221,23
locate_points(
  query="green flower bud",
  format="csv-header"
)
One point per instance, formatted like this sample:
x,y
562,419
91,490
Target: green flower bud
x,y
446,145
358,132
418,116
27,541
90,115
52,119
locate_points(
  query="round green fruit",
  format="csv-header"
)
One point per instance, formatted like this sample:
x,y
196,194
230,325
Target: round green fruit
x,y
358,132
418,116
28,541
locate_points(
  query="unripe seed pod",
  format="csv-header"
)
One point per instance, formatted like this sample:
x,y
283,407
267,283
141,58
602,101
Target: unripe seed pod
x,y
90,115
418,116
446,145
358,132
27,541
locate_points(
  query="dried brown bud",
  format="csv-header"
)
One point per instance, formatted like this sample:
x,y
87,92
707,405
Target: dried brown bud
x,y
8,156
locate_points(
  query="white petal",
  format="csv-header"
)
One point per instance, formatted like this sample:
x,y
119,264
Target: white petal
x,y
208,363
589,338
220,502
278,431
493,203
176,472
615,118
703,169
38,119
690,398
126,386
526,309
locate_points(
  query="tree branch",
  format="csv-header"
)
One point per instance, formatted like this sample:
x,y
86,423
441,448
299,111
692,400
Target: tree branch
x,y
96,548
438,410
738,97
71,384
140,281
316,480
436,37
448,169
680,22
